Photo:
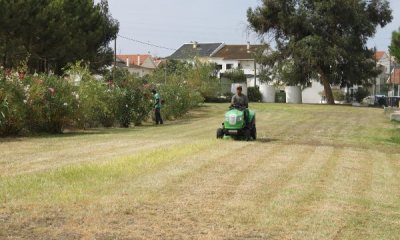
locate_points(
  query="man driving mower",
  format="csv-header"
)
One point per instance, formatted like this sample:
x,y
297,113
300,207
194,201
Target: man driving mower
x,y
239,100
240,122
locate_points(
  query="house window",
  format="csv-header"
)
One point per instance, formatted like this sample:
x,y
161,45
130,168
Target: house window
x,y
219,67
229,66
240,66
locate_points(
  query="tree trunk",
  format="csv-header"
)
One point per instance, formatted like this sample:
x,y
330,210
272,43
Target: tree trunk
x,y
328,90
5,53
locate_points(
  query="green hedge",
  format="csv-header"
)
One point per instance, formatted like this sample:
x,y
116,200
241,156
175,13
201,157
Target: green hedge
x,y
280,97
49,103
254,94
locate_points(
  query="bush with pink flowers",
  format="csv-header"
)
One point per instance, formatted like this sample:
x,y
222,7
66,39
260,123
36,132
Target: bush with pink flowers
x,y
50,103
12,104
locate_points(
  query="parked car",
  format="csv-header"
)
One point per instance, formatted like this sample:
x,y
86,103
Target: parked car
x,y
382,100
377,100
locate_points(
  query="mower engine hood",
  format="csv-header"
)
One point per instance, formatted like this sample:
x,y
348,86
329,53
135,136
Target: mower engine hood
x,y
234,119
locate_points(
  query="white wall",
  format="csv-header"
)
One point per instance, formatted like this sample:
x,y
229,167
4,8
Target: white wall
x,y
312,94
246,65
385,61
220,61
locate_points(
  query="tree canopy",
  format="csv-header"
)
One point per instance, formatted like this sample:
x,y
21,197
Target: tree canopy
x,y
321,39
52,33
395,46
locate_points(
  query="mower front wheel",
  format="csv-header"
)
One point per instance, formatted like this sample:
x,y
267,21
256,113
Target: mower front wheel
x,y
247,134
220,133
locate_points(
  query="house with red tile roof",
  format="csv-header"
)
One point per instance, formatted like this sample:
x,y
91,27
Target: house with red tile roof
x,y
160,61
385,64
383,59
140,64
394,78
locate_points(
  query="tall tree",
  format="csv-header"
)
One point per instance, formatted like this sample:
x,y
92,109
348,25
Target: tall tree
x,y
55,32
321,39
395,46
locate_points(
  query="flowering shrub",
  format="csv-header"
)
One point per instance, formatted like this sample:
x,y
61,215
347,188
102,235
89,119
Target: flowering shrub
x,y
50,103
132,97
96,98
12,109
179,99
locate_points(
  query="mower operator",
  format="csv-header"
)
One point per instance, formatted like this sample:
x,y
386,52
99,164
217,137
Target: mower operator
x,y
240,100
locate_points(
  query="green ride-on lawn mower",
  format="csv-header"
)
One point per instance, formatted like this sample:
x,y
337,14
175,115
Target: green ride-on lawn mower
x,y
235,125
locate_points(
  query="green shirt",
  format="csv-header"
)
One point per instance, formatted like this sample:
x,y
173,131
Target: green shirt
x,y
157,101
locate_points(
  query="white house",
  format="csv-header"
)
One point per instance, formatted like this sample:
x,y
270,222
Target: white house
x,y
383,59
140,64
195,50
238,57
225,56
383,62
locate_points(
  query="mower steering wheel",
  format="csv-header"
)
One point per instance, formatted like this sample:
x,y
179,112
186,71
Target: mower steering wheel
x,y
236,106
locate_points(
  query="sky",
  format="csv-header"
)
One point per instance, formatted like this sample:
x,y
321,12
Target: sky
x,y
171,23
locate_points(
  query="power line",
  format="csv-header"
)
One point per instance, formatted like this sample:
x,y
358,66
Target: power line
x,y
146,43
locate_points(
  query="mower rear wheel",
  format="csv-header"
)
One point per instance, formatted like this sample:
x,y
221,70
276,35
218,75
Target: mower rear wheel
x,y
254,133
247,134
220,133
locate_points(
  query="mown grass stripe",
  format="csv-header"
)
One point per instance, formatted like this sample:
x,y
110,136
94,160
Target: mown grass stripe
x,y
82,181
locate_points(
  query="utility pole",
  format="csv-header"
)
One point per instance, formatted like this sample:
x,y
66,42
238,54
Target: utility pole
x,y
376,64
390,77
165,71
115,56
255,72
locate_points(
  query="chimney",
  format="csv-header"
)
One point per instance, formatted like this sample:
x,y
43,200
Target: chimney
x,y
138,60
127,62
248,47
195,44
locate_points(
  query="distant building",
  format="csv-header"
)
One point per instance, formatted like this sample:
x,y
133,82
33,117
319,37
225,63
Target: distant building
x,y
384,63
394,79
226,57
239,57
159,62
140,64
383,59
201,51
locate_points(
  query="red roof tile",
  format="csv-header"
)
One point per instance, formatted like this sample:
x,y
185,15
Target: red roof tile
x,y
159,62
134,58
395,77
379,55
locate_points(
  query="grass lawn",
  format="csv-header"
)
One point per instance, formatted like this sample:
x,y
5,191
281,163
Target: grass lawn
x,y
316,172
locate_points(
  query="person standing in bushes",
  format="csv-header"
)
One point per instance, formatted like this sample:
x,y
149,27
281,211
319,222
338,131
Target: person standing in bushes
x,y
157,107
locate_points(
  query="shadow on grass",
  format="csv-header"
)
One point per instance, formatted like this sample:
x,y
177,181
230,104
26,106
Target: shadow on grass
x,y
266,140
